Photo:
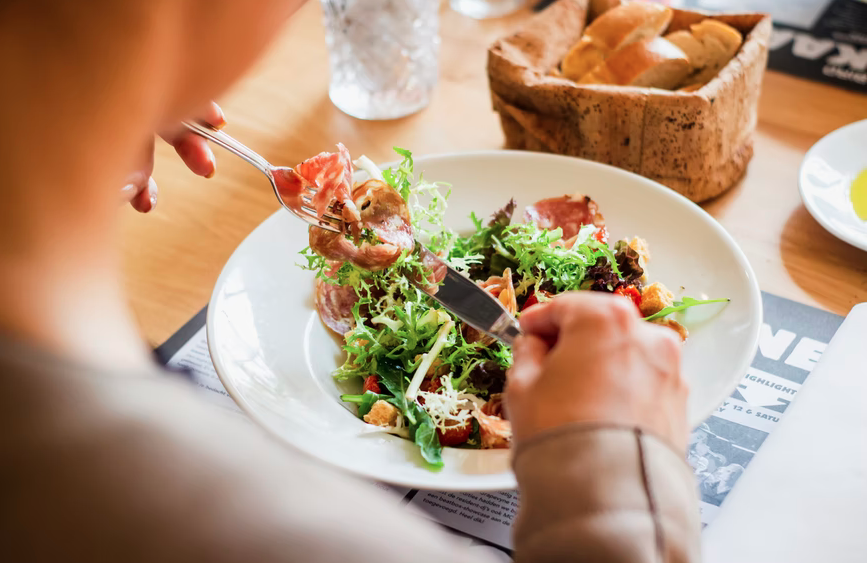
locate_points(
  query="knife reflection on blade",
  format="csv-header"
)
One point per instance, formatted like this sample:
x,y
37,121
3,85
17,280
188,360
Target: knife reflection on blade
x,y
465,299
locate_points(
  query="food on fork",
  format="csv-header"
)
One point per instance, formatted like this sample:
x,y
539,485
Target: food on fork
x,y
330,174
424,374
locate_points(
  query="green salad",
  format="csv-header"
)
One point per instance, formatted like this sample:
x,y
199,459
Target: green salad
x,y
424,374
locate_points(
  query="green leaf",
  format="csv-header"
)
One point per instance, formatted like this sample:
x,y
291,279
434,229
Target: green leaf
x,y
682,305
424,434
404,153
402,178
422,430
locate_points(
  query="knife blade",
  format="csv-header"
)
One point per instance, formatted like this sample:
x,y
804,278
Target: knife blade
x,y
465,299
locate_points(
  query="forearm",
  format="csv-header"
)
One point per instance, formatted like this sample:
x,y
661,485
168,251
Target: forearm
x,y
604,494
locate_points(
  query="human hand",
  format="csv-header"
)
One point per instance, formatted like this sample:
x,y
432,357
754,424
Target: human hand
x,y
588,357
141,190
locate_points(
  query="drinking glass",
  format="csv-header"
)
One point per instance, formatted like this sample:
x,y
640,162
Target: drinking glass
x,y
383,55
482,9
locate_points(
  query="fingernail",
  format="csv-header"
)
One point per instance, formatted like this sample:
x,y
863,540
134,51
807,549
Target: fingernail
x,y
222,118
213,160
153,201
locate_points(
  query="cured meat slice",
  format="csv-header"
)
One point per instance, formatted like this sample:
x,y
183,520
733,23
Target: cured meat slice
x,y
329,173
495,432
382,210
381,233
567,212
503,289
434,267
334,304
495,406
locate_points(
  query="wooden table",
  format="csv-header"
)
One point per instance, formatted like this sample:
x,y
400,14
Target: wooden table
x,y
172,257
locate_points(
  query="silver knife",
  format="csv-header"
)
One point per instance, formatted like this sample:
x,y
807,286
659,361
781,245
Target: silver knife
x,y
465,299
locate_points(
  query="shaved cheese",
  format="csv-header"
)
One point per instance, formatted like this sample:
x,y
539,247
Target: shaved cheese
x,y
427,360
368,166
448,407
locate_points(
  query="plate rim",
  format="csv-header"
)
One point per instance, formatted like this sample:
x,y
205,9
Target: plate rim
x,y
812,209
506,480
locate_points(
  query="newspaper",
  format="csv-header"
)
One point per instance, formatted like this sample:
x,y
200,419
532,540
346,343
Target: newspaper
x,y
793,337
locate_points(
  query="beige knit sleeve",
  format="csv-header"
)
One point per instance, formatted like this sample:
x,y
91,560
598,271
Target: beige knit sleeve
x,y
604,494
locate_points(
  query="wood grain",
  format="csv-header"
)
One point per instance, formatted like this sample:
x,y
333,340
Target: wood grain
x,y
172,257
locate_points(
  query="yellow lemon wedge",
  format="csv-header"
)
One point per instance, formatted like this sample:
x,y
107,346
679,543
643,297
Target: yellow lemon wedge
x,y
858,194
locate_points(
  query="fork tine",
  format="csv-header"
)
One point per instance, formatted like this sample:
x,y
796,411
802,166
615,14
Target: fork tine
x,y
326,217
331,222
328,222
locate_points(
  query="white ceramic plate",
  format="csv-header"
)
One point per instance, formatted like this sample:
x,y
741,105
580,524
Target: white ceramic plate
x,y
275,357
826,175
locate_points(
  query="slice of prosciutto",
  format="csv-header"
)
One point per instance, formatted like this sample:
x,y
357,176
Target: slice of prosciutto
x,y
503,289
494,432
375,240
334,304
329,174
568,212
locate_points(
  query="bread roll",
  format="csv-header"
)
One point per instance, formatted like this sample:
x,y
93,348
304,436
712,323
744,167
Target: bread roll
x,y
730,37
652,63
693,48
599,7
613,30
720,43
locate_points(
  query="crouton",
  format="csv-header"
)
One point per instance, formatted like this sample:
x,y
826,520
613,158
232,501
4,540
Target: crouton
x,y
673,325
654,298
382,414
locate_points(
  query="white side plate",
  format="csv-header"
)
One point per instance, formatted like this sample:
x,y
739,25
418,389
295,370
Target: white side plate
x,y
826,175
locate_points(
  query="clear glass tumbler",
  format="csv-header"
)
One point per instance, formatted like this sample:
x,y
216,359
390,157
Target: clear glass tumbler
x,y
482,9
383,55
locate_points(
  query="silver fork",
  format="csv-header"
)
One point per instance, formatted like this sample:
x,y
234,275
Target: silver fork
x,y
306,212
457,293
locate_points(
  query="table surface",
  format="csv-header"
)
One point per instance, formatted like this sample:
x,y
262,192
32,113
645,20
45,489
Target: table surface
x,y
172,256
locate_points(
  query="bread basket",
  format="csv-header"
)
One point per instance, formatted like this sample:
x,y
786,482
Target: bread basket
x,y
697,143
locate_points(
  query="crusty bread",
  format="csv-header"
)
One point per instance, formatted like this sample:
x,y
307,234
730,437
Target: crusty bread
x,y
599,7
582,58
730,37
652,63
691,87
693,48
613,30
720,42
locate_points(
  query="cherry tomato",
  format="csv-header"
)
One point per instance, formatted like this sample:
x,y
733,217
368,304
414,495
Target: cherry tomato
x,y
371,383
534,299
631,292
430,384
455,435
602,235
